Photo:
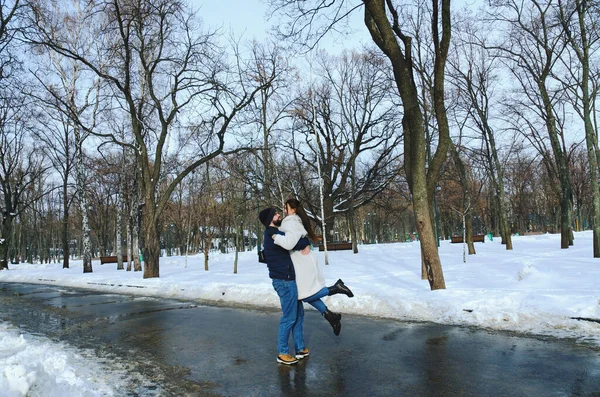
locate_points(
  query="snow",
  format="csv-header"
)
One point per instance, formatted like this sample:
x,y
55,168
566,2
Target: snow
x,y
536,289
35,366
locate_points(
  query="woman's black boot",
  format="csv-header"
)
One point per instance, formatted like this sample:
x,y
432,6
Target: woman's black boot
x,y
335,321
340,288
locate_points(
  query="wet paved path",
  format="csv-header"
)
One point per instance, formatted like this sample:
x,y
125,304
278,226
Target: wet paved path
x,y
192,350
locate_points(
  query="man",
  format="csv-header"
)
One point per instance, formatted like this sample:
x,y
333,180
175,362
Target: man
x,y
281,271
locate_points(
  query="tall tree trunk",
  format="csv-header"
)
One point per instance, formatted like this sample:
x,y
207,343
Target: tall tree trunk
x,y
150,240
129,218
6,237
129,238
39,243
464,183
16,245
119,227
237,246
428,244
137,263
150,220
469,228
85,226
207,244
421,182
497,174
65,226
135,219
504,210
352,224
268,164
353,234
591,136
562,169
119,222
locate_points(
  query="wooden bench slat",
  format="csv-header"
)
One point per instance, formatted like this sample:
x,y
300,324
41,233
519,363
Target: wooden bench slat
x,y
479,238
336,246
111,259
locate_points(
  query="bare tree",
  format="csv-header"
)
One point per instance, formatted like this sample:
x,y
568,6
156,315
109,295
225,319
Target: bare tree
x,y
71,91
21,166
56,139
579,169
270,68
467,206
474,76
170,80
531,51
579,19
386,28
359,131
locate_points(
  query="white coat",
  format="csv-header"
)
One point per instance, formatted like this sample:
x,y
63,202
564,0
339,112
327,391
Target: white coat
x,y
309,275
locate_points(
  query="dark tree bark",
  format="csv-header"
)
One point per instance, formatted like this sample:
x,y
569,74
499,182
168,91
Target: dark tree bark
x,y
577,17
310,20
382,20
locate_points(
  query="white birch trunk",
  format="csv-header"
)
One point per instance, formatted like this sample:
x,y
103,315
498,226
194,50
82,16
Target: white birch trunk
x,y
85,225
134,221
129,250
119,237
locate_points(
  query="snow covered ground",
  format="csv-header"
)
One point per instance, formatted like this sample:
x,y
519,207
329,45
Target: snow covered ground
x,y
536,288
34,366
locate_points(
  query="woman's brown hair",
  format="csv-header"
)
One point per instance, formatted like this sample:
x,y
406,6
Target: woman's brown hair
x,y
295,204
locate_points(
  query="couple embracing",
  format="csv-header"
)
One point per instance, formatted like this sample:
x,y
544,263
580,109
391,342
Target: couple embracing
x,y
296,276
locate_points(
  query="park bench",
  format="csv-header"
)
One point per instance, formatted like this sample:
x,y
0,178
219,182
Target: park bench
x,y
479,238
111,259
336,247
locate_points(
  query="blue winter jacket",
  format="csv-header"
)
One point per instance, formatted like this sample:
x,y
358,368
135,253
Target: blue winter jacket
x,y
278,259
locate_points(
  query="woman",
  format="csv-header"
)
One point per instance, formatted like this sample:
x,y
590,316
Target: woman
x,y
309,275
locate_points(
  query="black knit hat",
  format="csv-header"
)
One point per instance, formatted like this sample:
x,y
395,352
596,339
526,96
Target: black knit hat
x,y
266,216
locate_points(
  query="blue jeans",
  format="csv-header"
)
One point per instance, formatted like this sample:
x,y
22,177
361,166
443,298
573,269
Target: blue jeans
x,y
292,319
315,300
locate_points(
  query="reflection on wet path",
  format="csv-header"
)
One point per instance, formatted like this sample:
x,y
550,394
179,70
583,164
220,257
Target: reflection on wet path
x,y
186,349
91,320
